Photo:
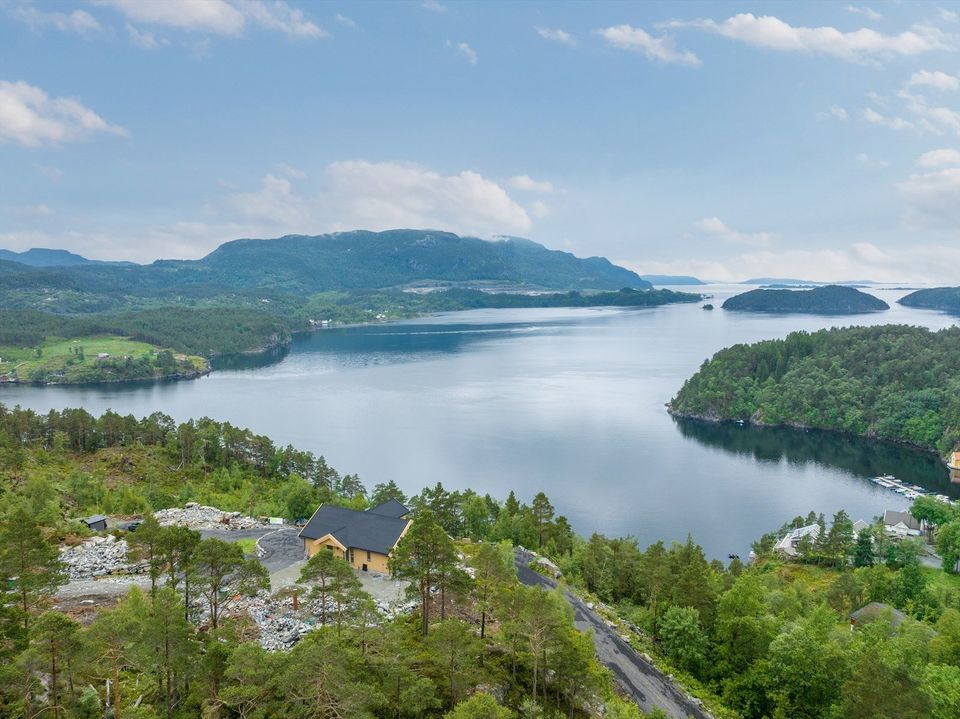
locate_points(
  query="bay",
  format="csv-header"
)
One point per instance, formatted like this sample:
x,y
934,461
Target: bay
x,y
570,402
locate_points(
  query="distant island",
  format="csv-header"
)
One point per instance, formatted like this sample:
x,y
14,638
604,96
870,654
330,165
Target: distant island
x,y
946,299
672,280
869,381
831,299
792,282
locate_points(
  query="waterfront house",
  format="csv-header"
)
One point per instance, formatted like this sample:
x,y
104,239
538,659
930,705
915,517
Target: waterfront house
x,y
859,526
899,525
364,539
791,541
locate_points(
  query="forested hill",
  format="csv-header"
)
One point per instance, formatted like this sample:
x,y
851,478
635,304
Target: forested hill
x,y
43,257
891,382
360,259
250,271
938,298
831,299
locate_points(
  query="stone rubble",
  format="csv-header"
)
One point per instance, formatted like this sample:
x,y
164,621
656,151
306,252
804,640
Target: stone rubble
x,y
97,557
281,627
196,516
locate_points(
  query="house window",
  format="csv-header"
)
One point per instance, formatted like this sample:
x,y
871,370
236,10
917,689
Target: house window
x,y
368,555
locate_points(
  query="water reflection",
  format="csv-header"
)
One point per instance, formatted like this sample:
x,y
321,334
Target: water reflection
x,y
858,456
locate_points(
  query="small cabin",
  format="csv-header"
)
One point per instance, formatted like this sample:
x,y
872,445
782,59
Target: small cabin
x,y
96,523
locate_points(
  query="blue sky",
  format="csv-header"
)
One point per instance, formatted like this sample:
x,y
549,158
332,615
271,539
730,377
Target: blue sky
x,y
727,140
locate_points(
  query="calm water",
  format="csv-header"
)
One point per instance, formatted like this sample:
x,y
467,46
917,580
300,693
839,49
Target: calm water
x,y
567,401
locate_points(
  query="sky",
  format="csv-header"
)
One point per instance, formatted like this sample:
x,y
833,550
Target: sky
x,y
815,140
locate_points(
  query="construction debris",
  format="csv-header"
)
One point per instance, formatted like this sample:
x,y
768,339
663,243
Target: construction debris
x,y
196,516
97,557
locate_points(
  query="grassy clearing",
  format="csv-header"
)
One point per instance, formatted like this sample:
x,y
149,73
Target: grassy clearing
x,y
248,545
99,358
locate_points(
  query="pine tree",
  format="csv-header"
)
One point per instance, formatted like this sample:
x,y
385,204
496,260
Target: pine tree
x,y
28,561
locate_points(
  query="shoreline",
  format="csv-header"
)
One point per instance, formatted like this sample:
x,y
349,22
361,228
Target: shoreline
x,y
714,419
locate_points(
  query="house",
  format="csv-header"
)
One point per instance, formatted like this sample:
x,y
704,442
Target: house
x,y
103,355
876,610
96,523
899,525
364,539
788,545
859,526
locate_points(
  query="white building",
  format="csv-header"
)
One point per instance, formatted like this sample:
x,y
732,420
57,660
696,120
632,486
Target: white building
x,y
788,545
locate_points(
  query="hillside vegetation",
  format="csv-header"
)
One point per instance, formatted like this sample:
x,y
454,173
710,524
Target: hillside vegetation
x,y
892,382
200,331
768,640
831,299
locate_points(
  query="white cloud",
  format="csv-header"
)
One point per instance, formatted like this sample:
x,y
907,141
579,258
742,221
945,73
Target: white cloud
x,y
933,116
348,21
659,49
539,209
865,159
715,227
143,39
277,15
78,21
381,195
50,172
859,261
216,16
936,79
292,172
433,6
835,112
557,35
30,117
894,123
220,17
34,211
938,158
933,198
867,12
528,184
772,33
468,52
274,202
949,15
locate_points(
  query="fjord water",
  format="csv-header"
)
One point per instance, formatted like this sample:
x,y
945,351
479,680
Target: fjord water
x,y
566,401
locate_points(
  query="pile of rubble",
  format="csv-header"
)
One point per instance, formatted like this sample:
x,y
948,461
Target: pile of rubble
x,y
196,516
280,626
97,557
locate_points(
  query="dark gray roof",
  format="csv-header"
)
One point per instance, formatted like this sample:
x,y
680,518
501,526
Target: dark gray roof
x,y
390,508
363,530
890,518
95,518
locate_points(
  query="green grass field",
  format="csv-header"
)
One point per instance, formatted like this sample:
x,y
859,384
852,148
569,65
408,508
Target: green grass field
x,y
79,360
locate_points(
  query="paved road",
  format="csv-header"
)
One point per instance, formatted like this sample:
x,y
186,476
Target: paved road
x,y
648,687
